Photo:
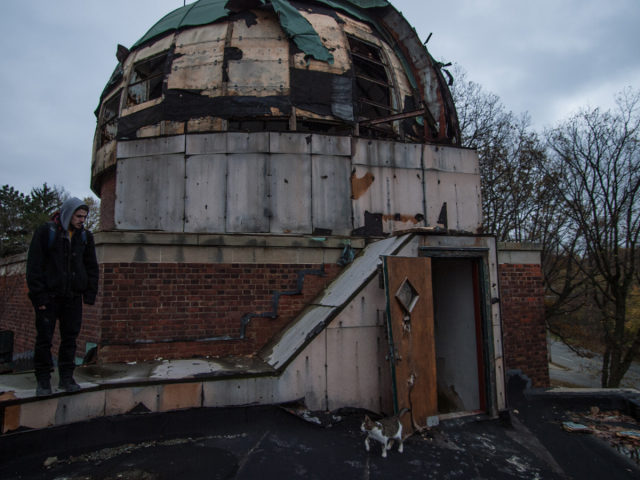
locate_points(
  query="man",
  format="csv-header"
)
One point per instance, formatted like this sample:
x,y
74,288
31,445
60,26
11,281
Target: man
x,y
62,272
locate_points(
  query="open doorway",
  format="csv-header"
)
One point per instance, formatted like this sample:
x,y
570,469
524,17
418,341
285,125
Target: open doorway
x,y
457,305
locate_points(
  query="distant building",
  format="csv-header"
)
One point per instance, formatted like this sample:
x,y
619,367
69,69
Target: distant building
x,y
283,188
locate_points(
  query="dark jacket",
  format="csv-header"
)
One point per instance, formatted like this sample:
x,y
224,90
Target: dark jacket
x,y
61,266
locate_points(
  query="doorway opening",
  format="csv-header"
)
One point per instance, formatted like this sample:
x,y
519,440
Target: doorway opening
x,y
458,334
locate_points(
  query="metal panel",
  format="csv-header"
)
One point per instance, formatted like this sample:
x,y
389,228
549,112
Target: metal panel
x,y
377,153
263,66
151,146
198,67
205,193
461,192
289,143
331,192
247,142
206,143
411,340
450,159
247,202
357,372
366,309
395,193
306,375
330,145
150,193
290,184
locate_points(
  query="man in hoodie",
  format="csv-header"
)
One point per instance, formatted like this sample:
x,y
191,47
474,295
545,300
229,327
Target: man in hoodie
x,y
62,273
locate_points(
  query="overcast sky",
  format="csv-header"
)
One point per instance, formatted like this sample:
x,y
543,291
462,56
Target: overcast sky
x,y
545,57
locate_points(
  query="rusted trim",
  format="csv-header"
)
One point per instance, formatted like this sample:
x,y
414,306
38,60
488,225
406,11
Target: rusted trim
x,y
397,116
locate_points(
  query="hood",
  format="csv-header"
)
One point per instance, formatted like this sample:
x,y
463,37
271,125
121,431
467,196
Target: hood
x,y
67,210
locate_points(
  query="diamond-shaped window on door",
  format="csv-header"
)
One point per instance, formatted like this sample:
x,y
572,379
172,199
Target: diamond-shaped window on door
x,y
407,296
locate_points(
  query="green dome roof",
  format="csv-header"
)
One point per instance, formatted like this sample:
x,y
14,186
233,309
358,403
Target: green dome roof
x,y
203,12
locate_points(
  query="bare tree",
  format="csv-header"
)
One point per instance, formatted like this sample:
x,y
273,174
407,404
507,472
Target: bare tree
x,y
510,152
595,157
93,219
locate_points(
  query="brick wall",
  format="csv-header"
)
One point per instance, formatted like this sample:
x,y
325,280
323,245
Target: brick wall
x,y
523,326
151,310
17,315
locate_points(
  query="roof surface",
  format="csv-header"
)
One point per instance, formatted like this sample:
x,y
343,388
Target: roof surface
x,y
203,12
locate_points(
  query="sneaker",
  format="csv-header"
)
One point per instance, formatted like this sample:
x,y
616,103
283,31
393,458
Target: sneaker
x,y
44,387
68,385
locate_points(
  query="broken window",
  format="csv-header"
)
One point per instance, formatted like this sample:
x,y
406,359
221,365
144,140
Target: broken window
x,y
372,85
108,125
146,80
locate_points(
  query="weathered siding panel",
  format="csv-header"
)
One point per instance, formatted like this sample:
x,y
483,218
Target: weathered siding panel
x,y
206,193
150,193
290,191
263,66
247,202
394,193
198,59
331,191
461,192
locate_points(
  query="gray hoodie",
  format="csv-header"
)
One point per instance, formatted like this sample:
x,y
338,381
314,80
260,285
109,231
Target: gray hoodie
x,y
68,209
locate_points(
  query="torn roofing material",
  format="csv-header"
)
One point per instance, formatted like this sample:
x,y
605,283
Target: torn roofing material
x,y
293,23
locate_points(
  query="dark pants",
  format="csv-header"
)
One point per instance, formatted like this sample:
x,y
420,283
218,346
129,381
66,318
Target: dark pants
x,y
69,312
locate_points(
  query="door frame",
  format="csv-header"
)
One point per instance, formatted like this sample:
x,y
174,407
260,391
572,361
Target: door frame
x,y
480,257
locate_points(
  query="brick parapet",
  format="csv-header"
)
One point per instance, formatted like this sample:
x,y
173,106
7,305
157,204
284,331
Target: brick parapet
x,y
523,324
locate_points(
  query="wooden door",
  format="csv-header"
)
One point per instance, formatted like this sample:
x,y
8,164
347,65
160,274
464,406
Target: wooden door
x,y
411,338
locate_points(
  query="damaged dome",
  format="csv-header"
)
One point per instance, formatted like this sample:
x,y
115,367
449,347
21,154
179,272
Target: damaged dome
x,y
346,67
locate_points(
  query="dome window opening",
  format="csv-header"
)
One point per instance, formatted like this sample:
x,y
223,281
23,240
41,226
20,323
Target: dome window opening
x,y
146,80
108,124
372,86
